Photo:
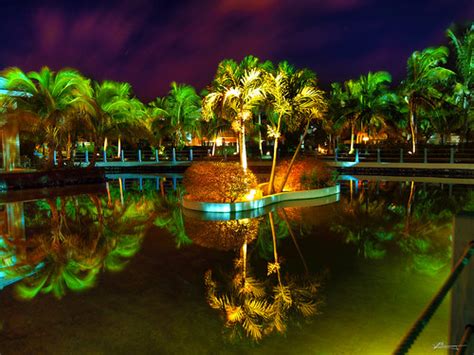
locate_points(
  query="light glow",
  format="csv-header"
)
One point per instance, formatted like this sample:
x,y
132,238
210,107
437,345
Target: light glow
x,y
251,195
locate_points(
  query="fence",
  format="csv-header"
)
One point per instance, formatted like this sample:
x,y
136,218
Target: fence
x,y
144,155
424,154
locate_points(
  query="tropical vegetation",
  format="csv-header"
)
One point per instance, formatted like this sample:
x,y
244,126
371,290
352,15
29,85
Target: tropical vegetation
x,y
278,106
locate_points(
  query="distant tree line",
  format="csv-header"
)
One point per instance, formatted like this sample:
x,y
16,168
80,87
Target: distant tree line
x,y
258,101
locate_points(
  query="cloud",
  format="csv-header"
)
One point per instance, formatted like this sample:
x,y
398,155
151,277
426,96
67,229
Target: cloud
x,y
151,43
227,6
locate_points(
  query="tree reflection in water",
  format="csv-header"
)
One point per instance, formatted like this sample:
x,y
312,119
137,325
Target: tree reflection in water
x,y
73,238
411,219
252,306
169,216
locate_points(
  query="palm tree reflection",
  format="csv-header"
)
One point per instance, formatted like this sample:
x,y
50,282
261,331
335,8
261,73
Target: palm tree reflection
x,y
256,307
405,219
71,239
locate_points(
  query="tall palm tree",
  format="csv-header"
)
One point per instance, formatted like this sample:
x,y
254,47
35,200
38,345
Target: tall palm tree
x,y
157,122
424,82
368,102
334,119
295,101
234,95
53,98
464,88
114,112
181,110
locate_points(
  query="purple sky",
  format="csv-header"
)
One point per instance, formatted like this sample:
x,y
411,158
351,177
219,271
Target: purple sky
x,y
151,43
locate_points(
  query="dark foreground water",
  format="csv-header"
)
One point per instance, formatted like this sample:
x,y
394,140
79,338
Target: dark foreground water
x,y
124,271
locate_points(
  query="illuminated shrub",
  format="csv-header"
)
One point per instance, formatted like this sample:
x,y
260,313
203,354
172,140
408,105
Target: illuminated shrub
x,y
218,182
305,175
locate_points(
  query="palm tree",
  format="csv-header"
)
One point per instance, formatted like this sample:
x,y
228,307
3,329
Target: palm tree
x,y
334,119
367,102
464,88
169,215
234,95
156,121
181,110
114,112
295,101
424,82
53,98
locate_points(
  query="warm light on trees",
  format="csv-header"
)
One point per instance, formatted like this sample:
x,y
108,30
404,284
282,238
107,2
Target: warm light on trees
x,y
218,182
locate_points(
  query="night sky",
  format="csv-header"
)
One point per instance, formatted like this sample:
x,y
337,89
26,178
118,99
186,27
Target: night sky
x,y
151,43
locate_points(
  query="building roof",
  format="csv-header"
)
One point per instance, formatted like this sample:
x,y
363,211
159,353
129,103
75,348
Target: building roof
x,y
4,91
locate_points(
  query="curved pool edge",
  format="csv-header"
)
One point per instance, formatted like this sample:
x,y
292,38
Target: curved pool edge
x,y
259,212
236,207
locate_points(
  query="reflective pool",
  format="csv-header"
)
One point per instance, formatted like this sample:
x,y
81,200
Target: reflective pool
x,y
122,269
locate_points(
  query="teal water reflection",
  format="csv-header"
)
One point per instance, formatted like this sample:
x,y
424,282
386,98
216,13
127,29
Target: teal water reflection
x,y
318,279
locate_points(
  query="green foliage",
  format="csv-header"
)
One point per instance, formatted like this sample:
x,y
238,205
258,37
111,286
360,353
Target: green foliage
x,y
51,101
365,104
234,95
180,112
114,112
425,82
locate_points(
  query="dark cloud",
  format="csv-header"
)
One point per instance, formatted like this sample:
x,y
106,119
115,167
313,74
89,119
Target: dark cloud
x,y
151,43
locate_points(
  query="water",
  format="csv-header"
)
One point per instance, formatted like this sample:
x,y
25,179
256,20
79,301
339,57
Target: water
x,y
124,270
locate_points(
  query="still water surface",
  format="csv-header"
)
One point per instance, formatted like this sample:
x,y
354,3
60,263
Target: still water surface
x,y
124,270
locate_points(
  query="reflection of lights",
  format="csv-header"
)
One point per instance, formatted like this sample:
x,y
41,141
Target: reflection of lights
x,y
322,150
244,221
251,195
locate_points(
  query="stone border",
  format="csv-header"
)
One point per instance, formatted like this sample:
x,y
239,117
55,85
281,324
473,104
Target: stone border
x,y
259,203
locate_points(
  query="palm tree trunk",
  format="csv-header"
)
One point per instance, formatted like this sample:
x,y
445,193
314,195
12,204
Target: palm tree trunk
x,y
271,188
50,156
243,253
275,251
409,206
413,129
60,157
285,217
293,159
243,150
109,196
162,188
239,138
352,137
69,145
121,191
119,146
97,143
105,144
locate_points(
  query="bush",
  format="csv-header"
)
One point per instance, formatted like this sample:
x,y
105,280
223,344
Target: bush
x,y
218,182
305,174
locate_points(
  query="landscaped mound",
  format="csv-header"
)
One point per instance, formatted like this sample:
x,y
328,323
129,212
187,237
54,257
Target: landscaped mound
x,y
218,182
306,174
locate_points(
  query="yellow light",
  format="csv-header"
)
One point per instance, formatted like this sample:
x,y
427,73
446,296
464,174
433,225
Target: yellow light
x,y
251,195
365,139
